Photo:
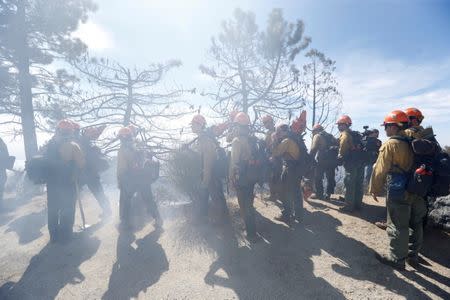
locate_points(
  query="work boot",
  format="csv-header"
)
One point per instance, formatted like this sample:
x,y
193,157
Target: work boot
x,y
327,197
381,225
386,260
346,209
413,261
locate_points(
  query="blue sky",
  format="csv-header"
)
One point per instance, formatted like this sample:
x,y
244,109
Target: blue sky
x,y
389,54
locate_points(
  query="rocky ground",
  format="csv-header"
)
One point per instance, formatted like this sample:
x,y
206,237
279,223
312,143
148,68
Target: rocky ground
x,y
328,256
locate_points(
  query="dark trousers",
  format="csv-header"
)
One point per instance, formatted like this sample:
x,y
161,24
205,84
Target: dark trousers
x,y
95,186
354,181
245,198
127,193
292,196
318,180
214,190
61,201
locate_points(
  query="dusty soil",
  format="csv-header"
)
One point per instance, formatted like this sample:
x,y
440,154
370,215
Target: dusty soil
x,y
328,256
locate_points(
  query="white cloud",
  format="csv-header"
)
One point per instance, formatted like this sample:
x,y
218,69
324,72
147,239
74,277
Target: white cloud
x,y
93,35
373,85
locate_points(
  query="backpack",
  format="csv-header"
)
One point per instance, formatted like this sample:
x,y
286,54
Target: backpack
x,y
371,148
305,163
49,166
365,149
328,157
220,167
256,166
422,176
441,179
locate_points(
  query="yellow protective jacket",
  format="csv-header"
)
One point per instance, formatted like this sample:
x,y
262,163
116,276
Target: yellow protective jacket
x,y
240,152
414,132
268,140
345,144
71,151
287,149
126,161
207,147
395,156
318,144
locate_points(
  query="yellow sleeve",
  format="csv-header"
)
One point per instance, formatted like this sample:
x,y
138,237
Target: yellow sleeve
x,y
208,151
382,166
345,144
78,156
315,145
281,148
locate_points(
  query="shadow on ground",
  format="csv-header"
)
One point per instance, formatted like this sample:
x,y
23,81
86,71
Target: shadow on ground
x,y
28,227
54,267
136,268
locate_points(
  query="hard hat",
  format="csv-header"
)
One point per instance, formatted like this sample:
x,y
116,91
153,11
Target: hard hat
x,y
282,127
199,119
65,125
317,127
344,119
267,119
75,125
395,117
124,133
414,113
242,118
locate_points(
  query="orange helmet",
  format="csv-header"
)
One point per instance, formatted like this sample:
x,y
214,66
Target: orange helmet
x,y
395,117
125,133
242,118
317,127
199,119
344,119
414,113
75,125
65,125
233,114
267,119
93,133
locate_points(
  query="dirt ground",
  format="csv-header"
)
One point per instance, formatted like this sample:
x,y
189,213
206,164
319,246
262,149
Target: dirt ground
x,y
329,256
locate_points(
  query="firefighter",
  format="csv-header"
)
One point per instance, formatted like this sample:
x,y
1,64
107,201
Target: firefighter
x,y
4,155
325,162
241,157
130,165
415,118
274,172
65,162
289,151
91,174
405,211
211,183
354,169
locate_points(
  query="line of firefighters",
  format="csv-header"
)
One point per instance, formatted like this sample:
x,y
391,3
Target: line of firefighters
x,y
72,166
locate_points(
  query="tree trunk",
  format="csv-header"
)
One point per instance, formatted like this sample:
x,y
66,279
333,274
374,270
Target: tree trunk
x,y
127,117
314,97
26,97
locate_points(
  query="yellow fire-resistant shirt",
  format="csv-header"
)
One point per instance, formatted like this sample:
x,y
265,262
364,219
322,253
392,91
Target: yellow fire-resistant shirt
x,y
268,139
206,146
240,151
318,144
71,151
395,156
287,149
414,132
345,143
126,159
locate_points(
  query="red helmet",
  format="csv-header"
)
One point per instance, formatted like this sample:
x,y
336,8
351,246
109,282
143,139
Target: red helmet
x,y
125,133
395,117
242,118
267,119
199,119
65,125
414,113
344,119
317,127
